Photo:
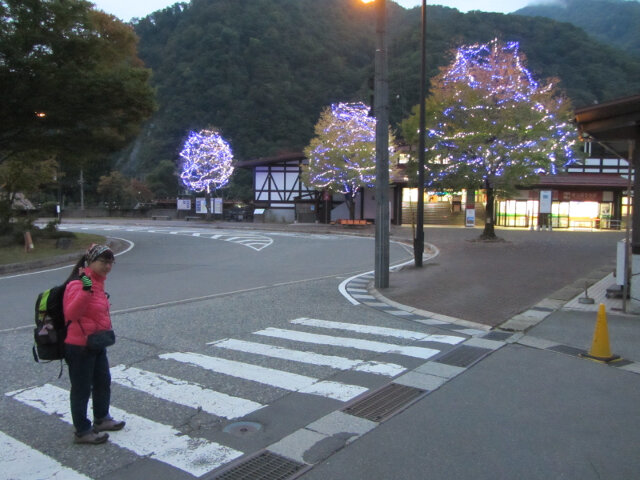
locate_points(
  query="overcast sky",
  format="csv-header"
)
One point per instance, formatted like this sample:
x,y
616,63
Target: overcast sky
x,y
127,9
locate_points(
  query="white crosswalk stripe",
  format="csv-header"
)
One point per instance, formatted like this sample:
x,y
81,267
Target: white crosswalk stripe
x,y
21,462
340,363
418,352
183,393
268,376
381,331
197,456
142,436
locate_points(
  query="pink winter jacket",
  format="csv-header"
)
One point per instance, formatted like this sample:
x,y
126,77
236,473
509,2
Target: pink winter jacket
x,y
87,308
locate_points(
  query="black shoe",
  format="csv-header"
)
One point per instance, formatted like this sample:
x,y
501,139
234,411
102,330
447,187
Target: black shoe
x,y
91,438
108,425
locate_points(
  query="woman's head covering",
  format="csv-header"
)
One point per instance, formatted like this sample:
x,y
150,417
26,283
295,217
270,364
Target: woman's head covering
x,y
98,251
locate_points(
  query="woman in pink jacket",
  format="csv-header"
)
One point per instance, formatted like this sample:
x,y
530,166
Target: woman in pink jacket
x,y
86,307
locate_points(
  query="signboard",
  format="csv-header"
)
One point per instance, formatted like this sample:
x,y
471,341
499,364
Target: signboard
x,y
216,206
201,205
573,196
184,204
545,201
470,217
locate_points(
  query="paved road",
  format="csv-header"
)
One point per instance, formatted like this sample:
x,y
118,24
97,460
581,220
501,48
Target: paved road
x,y
172,264
505,407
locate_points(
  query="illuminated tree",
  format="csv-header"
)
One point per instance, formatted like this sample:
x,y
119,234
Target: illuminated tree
x,y
206,163
342,155
491,125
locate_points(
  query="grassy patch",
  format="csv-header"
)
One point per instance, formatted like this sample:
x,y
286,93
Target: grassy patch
x,y
46,248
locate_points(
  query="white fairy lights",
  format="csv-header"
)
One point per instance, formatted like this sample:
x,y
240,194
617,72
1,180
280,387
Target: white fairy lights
x,y
498,116
207,161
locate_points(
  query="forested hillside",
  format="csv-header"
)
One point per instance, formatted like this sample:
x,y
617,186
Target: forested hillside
x,y
262,70
616,22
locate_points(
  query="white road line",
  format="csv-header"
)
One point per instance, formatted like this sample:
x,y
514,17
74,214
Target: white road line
x,y
382,331
144,437
20,461
418,352
268,376
183,393
340,363
255,241
342,288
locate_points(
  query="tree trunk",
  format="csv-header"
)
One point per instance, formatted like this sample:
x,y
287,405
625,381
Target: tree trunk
x,y
489,232
351,205
207,199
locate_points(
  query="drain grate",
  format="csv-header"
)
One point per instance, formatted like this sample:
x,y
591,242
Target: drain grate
x,y
384,403
264,466
497,336
566,349
463,356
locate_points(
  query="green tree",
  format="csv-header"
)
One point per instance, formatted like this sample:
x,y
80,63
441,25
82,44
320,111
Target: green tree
x,y
491,125
116,190
25,174
342,155
163,180
140,192
70,79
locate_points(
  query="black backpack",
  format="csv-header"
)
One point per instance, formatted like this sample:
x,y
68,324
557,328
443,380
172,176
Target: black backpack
x,y
51,326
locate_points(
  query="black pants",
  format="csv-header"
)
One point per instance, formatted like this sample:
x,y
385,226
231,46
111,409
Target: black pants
x,y
90,377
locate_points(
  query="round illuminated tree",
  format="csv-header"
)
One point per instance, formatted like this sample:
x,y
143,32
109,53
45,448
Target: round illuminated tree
x,y
491,125
207,159
342,155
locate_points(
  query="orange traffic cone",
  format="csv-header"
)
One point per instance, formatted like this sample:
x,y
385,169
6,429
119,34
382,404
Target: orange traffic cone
x,y
600,348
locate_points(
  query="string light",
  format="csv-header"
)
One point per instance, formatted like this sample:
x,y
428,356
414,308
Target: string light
x,y
342,157
510,120
207,161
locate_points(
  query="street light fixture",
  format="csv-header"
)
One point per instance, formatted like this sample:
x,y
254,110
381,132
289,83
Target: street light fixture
x,y
381,112
418,241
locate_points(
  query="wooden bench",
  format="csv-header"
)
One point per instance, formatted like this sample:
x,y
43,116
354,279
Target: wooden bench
x,y
192,218
161,217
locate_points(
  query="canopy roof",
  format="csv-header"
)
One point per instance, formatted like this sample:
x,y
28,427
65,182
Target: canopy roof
x,y
582,180
613,121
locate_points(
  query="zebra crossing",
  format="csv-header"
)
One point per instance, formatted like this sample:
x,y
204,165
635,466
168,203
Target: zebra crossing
x,y
156,439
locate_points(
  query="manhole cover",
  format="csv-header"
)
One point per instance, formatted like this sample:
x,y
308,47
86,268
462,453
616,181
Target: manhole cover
x,y
242,429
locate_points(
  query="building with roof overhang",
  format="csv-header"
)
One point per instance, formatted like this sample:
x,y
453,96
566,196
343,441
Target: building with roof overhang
x,y
616,126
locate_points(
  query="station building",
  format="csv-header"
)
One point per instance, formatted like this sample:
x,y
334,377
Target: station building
x,y
589,195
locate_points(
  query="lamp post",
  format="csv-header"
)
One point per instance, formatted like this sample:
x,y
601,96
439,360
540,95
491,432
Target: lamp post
x,y
418,241
381,112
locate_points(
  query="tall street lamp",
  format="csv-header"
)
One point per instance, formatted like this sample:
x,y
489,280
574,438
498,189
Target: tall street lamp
x,y
418,241
381,111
